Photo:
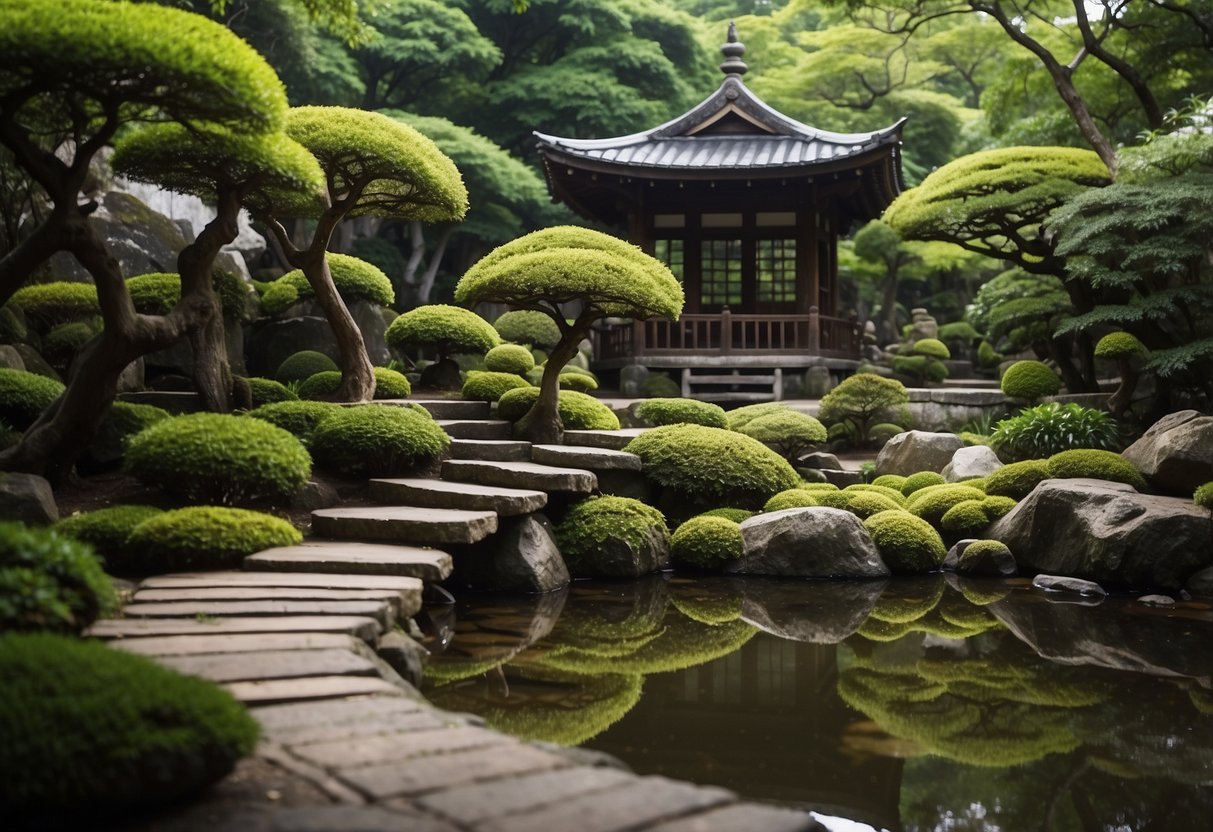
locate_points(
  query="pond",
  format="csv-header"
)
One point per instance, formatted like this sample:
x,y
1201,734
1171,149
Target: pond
x,y
913,704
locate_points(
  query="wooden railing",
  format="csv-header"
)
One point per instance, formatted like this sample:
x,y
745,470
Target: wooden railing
x,y
727,333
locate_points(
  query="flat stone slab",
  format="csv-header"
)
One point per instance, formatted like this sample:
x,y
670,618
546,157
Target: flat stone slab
x,y
276,691
406,524
360,626
381,611
446,408
263,593
442,771
521,475
593,459
395,723
476,428
480,802
272,664
353,560
361,711
506,502
318,580
239,643
500,450
348,753
613,439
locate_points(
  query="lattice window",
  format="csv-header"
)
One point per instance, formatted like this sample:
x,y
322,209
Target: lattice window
x,y
776,271
720,273
672,253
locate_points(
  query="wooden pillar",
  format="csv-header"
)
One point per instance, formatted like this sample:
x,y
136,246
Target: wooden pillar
x,y
814,331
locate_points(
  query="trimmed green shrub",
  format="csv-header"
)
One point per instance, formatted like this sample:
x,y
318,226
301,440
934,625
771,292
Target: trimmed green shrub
x,y
742,416
277,298
578,411
127,419
706,542
818,486
353,278
214,457
932,503
510,358
203,537
958,332
710,464
882,432
303,365
47,304
488,386
445,329
987,357
1116,345
592,522
1203,496
389,384
268,391
93,731
791,498
23,396
1030,381
1097,465
48,581
577,381
299,418
1050,428
864,504
932,348
996,507
60,345
895,481
737,515
833,499
966,518
920,368
660,386
657,412
1017,479
907,544
377,440
864,400
894,495
320,387
921,480
107,530
527,326
158,293
790,432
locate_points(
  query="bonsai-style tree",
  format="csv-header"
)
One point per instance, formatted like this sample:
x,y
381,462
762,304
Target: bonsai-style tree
x,y
448,331
548,268
374,166
863,400
1123,348
69,80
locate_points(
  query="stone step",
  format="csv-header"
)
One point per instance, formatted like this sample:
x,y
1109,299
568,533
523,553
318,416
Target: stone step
x,y
381,611
507,502
281,691
615,440
360,626
401,585
592,459
406,524
238,643
498,450
767,380
521,475
446,408
476,428
350,561
404,603
271,664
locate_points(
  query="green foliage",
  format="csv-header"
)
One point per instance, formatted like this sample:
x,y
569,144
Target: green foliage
x,y
921,369
107,530
660,386
49,581
355,280
591,523
966,518
997,506
907,544
378,441
526,326
1051,427
278,297
894,481
202,537
23,396
789,431
893,494
1203,496
445,329
490,386
578,381
389,384
982,548
60,345
987,358
213,457
578,411
933,502
705,463
742,416
655,412
1116,345
158,293
864,504
1095,464
1017,479
48,304
932,348
1017,310
959,333
124,420
706,542
510,358
303,365
268,391
737,515
882,432
863,400
791,498
922,479
299,418
1030,381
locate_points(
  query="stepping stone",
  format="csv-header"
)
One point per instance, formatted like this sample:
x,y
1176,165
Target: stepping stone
x,y
406,524
240,643
351,560
280,719
261,666
277,691
362,627
375,725
507,502
318,580
614,440
349,752
499,450
476,428
479,802
381,611
442,771
521,475
592,459
263,593
446,408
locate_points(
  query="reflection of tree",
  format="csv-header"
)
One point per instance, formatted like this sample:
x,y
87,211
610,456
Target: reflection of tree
x,y
683,643
922,607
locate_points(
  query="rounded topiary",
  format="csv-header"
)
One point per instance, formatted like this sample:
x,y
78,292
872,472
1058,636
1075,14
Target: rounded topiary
x,y
102,732
660,386
300,418
124,420
907,544
203,537
742,416
657,412
577,381
447,330
509,358
158,293
958,332
303,365
591,523
278,297
706,542
711,464
578,411
890,481
996,507
931,504
268,391
791,498
932,348
23,396
1030,381
527,326
1203,496
389,384
863,400
489,386
48,581
107,530
965,519
48,304
922,479
818,486
979,549
1017,479
214,457
833,499
882,432
1096,465
378,440
61,344
866,503
737,515
892,494
1117,345
355,279
788,431
320,387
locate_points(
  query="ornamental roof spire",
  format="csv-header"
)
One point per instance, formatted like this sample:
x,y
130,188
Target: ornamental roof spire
x,y
733,49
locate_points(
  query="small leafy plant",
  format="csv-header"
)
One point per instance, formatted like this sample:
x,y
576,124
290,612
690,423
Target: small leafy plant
x,y
1049,428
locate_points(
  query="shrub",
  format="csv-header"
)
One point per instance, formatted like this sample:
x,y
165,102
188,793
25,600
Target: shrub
x,y
578,411
49,581
23,396
213,457
445,329
268,391
488,386
791,498
907,544
158,293
958,332
303,365
1095,464
61,344
706,542
890,481
742,416
1030,381
1203,496
920,368
921,480
863,400
932,348
656,412
389,384
737,515
833,499
1050,428
353,278
1117,345
127,419
932,504
299,418
577,381
203,537
660,386
713,464
378,440
818,486
882,432
47,304
526,326
278,297
101,731
590,523
107,530
788,431
1017,479
966,518
898,499
510,358
996,507
987,357
866,503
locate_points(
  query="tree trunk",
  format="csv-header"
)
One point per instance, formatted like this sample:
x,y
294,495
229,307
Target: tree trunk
x,y
357,373
212,373
431,269
542,425
888,308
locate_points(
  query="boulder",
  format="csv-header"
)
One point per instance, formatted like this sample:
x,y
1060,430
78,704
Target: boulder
x,y
970,463
821,460
619,558
10,359
1176,453
631,378
521,557
405,656
990,562
35,363
817,613
808,543
1200,585
270,342
27,499
141,239
917,450
1064,583
1107,532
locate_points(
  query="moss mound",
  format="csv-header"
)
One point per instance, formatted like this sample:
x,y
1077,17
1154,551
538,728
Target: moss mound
x,y
213,457
1017,479
982,548
893,494
62,343
526,326
47,304
278,297
299,418
966,518
931,504
354,279
389,384
107,530
202,537
706,542
737,515
907,544
23,396
833,499
49,581
303,365
158,293
1098,465
922,479
124,420
996,507
446,329
866,503
1119,345
267,391
791,498
593,522
377,440
578,411
894,481
489,386
660,386
1203,496
1030,381
789,431
101,732
577,381
509,358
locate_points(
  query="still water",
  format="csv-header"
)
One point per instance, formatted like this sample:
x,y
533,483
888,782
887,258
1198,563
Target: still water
x,y
916,704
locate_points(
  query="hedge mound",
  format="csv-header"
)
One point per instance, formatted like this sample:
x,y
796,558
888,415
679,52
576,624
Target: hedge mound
x,y
1096,465
23,396
965,519
916,482
389,384
577,381
509,358
907,544
1017,479
791,498
377,440
158,293
591,523
933,502
489,386
1030,381
737,515
446,329
92,731
578,411
789,431
355,279
527,326
706,542
213,457
892,494
299,418
267,391
202,537
124,420
48,581
864,504
47,304
61,344
107,530
657,412
1203,496
303,365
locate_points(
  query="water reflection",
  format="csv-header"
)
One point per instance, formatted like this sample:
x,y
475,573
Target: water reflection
x,y
915,705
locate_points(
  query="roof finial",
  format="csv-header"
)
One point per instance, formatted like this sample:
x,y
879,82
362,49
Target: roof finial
x,y
733,49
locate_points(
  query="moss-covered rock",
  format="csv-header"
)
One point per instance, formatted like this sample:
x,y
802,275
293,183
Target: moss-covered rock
x,y
489,386
921,480
277,298
1097,465
737,515
965,519
299,418
202,537
378,440
158,293
509,358
64,341
448,330
47,304
1017,479
303,365
907,544
742,416
613,537
791,498
933,502
895,481
997,506
893,494
788,431
866,503
1030,381
706,542
268,391
578,411
49,581
123,421
23,396
527,326
657,412
107,530
577,381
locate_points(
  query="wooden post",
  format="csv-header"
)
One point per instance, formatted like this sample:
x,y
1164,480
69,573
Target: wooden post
x,y
814,331
637,337
726,331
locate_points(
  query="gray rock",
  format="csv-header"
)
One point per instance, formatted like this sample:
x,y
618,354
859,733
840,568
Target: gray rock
x,y
843,478
812,474
821,460
813,612
970,463
1200,585
314,495
10,359
406,657
1064,583
35,363
1107,532
27,498
808,543
631,378
953,557
521,557
141,239
1176,453
1156,600
916,450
